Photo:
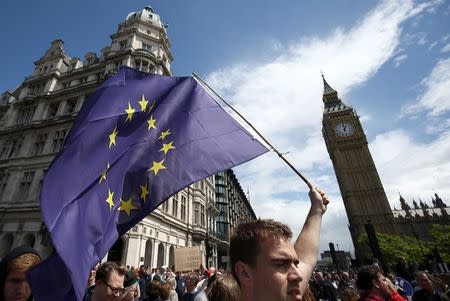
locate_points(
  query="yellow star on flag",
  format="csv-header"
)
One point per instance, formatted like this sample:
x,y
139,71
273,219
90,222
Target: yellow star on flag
x,y
164,134
130,111
157,166
109,200
103,176
167,147
126,206
151,123
143,103
112,137
144,192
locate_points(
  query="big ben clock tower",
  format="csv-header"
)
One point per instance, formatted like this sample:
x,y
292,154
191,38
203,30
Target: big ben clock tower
x,y
361,189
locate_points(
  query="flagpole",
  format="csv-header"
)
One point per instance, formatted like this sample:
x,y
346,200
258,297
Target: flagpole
x,y
202,82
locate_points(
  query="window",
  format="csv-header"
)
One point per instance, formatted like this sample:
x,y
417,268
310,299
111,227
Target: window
x,y
41,181
3,182
39,144
11,148
66,84
25,184
71,105
25,115
53,109
83,80
202,215
183,208
58,140
196,213
122,45
175,205
146,46
99,75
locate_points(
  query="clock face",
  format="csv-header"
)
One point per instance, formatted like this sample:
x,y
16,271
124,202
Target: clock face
x,y
344,129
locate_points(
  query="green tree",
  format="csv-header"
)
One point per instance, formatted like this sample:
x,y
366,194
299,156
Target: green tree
x,y
440,239
394,246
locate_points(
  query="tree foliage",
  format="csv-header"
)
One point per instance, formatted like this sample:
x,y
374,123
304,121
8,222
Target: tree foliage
x,y
394,246
440,239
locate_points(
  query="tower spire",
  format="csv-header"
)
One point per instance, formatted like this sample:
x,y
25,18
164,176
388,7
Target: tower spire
x,y
326,87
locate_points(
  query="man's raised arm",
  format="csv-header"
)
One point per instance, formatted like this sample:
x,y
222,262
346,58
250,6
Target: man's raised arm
x,y
307,243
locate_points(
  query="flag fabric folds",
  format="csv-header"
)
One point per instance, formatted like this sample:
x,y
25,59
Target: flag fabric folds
x,y
138,139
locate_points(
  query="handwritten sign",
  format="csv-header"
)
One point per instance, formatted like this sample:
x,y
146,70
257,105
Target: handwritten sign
x,y
188,258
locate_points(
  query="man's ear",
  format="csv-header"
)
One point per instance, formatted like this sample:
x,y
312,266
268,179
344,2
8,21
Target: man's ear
x,y
244,273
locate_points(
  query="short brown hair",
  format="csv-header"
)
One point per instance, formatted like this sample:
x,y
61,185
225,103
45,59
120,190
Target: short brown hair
x,y
104,271
247,238
224,288
366,275
163,291
23,262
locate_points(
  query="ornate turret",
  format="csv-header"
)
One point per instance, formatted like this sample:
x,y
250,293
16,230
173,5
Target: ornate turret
x,y
403,203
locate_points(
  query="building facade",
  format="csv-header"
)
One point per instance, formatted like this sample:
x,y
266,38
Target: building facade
x,y
362,192
35,119
234,208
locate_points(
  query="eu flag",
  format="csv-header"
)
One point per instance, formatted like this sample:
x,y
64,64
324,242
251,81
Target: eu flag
x,y
137,140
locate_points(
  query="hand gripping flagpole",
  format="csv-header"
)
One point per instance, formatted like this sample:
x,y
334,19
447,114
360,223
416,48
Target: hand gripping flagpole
x,y
203,83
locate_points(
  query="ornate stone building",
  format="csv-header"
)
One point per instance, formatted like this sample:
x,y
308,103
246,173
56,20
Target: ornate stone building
x,y
35,119
360,185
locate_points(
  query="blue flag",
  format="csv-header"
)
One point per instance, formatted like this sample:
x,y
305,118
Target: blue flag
x,y
139,139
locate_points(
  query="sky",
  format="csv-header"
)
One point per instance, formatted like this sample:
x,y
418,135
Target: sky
x,y
389,60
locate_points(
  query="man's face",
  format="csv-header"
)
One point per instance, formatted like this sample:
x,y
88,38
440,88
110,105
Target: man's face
x,y
276,276
16,287
190,284
109,290
382,285
319,277
425,282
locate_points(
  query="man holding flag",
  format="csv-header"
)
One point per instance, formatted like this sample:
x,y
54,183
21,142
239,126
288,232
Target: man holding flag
x,y
138,139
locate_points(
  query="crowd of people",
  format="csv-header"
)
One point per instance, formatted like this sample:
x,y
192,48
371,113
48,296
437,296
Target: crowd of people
x,y
264,266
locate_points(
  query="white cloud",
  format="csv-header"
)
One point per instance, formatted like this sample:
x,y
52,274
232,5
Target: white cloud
x,y
446,48
282,98
432,45
414,169
399,59
436,98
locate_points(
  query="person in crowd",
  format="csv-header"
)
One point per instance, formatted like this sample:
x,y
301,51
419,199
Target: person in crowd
x,y
151,291
373,284
164,291
156,276
204,282
324,289
428,291
402,270
395,295
180,285
349,293
346,281
13,281
192,293
223,288
131,291
173,285
264,262
142,282
109,283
